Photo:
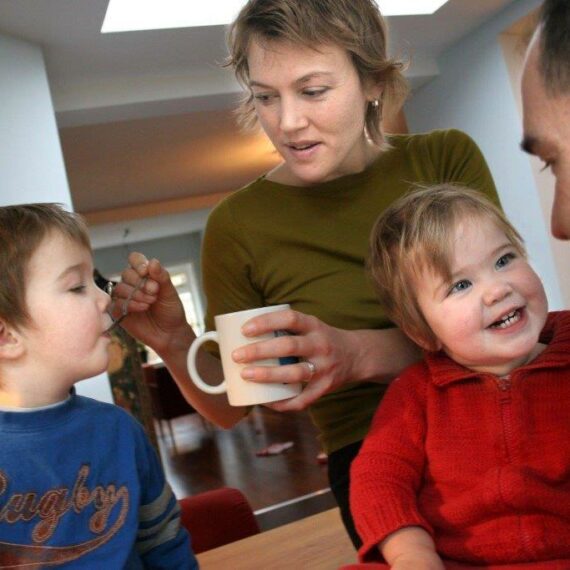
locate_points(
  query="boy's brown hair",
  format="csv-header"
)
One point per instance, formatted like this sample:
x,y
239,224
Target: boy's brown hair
x,y
23,227
415,234
354,25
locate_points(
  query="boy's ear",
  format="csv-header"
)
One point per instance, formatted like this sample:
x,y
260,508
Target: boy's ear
x,y
11,344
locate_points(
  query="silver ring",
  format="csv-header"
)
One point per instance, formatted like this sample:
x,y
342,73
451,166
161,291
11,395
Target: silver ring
x,y
312,368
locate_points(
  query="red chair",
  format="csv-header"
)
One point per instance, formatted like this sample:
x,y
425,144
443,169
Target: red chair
x,y
218,517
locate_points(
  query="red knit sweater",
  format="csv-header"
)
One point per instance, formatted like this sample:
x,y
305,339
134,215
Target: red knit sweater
x,y
481,463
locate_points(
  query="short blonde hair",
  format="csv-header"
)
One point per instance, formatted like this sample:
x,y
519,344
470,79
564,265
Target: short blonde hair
x,y
355,25
415,233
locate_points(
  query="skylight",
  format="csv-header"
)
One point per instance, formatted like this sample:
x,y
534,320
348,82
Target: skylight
x,y
131,15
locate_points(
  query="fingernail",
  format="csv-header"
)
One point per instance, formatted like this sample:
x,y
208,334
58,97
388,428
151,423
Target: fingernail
x,y
238,355
248,329
247,373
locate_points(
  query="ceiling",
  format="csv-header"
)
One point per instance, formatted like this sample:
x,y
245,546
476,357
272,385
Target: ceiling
x,y
145,118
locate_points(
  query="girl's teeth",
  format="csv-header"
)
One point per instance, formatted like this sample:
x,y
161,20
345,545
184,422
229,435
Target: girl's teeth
x,y
508,321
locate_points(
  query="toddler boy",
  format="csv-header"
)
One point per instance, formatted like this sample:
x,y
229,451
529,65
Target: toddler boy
x,y
80,485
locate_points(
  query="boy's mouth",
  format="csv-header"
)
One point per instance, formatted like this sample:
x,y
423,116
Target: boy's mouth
x,y
508,320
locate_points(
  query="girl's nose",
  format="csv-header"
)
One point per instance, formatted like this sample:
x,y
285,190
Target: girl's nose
x,y
496,292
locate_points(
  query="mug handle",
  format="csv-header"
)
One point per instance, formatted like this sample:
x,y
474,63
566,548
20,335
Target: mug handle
x,y
196,378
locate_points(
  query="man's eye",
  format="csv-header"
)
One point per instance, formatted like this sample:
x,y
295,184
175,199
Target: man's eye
x,y
462,285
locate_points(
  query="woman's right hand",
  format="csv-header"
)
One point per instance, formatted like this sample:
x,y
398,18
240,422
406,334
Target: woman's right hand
x,y
156,317
155,312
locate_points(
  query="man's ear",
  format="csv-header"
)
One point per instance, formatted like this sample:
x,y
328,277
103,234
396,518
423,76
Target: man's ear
x,y
11,341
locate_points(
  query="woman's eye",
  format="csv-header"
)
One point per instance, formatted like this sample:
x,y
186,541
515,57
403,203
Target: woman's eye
x,y
262,97
314,93
505,260
462,285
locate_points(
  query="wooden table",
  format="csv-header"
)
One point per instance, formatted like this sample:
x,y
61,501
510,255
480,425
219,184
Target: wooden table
x,y
318,542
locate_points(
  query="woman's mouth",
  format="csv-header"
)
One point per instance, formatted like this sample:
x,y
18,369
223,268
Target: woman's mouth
x,y
302,147
508,320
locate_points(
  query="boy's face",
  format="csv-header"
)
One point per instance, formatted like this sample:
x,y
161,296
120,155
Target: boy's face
x,y
489,317
66,339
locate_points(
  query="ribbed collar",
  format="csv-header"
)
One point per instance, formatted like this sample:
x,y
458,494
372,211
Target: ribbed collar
x,y
37,420
555,334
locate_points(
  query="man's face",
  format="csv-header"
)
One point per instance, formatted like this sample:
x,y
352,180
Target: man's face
x,y
546,121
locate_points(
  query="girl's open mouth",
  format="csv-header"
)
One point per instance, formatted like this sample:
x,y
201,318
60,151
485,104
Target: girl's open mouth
x,y
508,320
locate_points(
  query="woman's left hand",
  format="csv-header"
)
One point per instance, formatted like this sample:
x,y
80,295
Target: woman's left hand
x,y
336,356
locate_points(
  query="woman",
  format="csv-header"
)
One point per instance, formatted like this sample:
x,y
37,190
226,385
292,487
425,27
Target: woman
x,y
317,79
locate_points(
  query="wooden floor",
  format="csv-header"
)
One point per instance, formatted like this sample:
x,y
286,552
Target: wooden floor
x,y
280,488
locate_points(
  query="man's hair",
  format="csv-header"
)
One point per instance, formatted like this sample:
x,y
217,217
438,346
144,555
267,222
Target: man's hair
x,y
22,229
354,25
554,23
415,234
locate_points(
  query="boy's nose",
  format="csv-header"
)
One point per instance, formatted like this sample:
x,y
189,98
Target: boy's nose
x,y
104,300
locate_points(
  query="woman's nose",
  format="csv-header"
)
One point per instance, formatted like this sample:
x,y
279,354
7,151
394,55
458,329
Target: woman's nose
x,y
293,117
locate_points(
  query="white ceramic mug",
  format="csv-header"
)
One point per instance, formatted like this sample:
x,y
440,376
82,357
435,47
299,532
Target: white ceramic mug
x,y
228,335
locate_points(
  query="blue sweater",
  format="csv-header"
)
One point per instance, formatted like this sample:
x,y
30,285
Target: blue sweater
x,y
81,487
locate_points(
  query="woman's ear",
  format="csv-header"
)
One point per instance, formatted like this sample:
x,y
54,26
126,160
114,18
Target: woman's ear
x,y
11,345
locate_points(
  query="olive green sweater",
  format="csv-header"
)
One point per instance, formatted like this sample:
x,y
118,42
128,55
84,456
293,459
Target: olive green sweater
x,y
269,243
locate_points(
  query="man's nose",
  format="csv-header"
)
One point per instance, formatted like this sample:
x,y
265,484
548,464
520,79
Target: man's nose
x,y
560,220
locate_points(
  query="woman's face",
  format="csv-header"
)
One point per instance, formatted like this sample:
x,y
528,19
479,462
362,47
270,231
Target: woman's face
x,y
311,104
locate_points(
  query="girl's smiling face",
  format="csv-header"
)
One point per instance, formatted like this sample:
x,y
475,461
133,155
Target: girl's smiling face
x,y
490,315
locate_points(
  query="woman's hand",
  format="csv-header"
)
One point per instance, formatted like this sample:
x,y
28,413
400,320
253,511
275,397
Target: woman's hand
x,y
156,317
155,313
338,356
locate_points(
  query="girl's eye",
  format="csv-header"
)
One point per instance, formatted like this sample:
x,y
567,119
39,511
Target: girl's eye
x,y
505,260
462,285
546,165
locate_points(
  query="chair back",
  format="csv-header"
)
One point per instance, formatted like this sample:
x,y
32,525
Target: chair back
x,y
215,518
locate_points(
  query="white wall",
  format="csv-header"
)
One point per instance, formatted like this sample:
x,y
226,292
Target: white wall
x,y
473,93
31,162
